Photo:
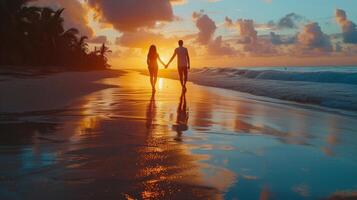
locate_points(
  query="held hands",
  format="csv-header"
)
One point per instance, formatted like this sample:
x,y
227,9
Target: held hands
x,y
167,65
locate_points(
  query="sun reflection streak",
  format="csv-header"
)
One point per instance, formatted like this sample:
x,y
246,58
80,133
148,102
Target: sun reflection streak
x,y
95,108
160,163
161,84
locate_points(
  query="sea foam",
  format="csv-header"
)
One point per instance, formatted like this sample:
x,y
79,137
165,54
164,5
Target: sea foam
x,y
329,87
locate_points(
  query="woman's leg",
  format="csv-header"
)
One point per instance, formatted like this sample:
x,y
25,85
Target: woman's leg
x,y
151,78
155,77
152,81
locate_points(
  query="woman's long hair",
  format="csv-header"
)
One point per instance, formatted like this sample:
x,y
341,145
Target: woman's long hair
x,y
152,52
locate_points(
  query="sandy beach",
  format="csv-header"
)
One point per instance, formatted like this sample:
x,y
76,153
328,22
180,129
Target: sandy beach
x,y
104,135
43,92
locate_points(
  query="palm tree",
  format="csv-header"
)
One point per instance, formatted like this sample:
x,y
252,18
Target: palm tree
x,y
10,30
52,28
98,57
82,46
103,51
30,28
35,36
71,36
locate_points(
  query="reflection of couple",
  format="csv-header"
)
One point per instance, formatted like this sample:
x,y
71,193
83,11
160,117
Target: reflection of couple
x,y
183,64
181,124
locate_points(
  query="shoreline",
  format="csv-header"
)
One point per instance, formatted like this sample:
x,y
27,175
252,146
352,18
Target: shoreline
x,y
257,88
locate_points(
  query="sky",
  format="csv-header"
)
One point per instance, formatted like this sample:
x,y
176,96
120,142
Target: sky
x,y
219,33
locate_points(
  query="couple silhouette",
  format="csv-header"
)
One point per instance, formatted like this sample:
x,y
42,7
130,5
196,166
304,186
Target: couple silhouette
x,y
183,64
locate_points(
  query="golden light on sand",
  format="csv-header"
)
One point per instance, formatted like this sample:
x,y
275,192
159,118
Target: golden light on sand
x,y
161,84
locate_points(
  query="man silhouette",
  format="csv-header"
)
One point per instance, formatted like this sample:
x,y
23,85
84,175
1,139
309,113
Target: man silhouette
x,y
183,63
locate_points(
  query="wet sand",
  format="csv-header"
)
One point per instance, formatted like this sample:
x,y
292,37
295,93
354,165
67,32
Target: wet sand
x,y
125,143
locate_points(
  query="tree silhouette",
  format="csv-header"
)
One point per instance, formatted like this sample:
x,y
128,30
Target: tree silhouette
x,y
35,36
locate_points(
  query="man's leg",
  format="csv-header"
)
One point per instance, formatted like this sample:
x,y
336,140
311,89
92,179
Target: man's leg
x,y
185,74
181,74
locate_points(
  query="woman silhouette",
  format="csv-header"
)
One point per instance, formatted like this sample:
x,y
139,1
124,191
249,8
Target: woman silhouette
x,y
152,58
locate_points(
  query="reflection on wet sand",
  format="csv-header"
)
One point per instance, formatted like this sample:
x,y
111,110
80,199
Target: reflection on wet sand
x,y
332,137
21,148
167,168
151,113
159,169
181,124
13,133
130,143
119,145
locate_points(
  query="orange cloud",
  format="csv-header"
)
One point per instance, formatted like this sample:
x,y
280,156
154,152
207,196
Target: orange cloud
x,y
312,38
129,15
143,39
349,29
218,47
206,27
251,42
99,39
178,2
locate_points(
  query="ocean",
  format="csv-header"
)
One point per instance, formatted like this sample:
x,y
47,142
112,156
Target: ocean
x,y
333,87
